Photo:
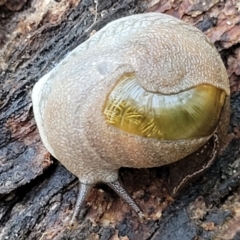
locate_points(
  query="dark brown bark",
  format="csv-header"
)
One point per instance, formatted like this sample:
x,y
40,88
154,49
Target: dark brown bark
x,y
38,194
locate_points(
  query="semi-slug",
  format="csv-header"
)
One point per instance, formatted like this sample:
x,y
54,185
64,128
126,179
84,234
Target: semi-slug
x,y
144,91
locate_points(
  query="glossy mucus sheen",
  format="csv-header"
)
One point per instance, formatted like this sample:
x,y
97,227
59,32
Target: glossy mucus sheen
x,y
120,100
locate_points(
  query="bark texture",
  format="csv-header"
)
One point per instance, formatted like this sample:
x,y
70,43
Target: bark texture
x,y
37,194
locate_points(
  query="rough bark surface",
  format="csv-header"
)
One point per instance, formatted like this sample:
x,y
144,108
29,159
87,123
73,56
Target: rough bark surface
x,y
37,194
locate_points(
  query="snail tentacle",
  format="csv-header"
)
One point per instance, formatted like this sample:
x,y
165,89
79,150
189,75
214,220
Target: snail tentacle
x,y
117,187
84,190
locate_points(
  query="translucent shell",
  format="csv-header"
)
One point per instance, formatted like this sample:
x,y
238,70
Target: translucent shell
x,y
193,113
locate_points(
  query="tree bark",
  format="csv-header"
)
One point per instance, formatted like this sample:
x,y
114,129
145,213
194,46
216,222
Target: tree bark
x,y
37,194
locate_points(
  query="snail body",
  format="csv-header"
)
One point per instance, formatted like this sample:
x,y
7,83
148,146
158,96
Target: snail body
x,y
144,91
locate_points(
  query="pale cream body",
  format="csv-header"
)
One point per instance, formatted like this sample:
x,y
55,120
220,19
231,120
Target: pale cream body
x,y
165,54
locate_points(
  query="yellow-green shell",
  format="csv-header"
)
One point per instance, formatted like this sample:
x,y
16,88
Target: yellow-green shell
x,y
189,114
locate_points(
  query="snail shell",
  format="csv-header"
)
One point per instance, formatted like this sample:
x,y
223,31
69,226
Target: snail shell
x,y
144,91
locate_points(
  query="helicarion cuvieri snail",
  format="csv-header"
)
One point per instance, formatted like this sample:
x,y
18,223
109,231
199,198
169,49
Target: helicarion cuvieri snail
x,y
144,91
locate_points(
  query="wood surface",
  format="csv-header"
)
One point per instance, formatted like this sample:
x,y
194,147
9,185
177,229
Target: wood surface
x,y
37,194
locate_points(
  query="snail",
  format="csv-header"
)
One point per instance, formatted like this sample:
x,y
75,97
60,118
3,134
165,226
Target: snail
x,y
144,91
